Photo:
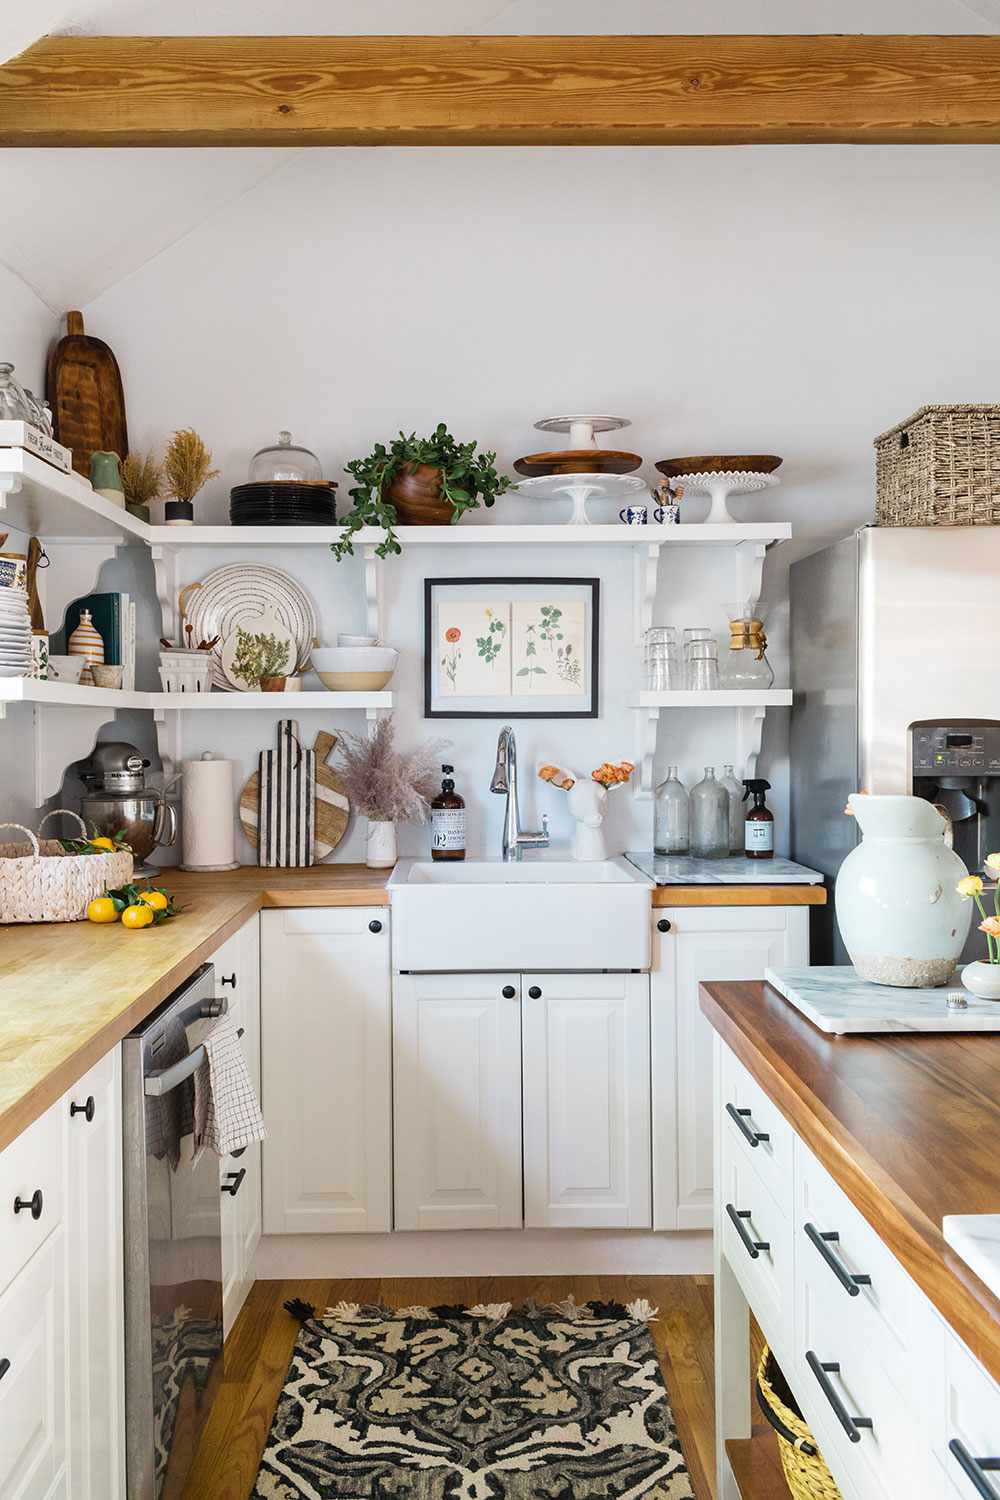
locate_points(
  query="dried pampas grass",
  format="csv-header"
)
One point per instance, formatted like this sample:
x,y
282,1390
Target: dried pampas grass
x,y
385,784
141,478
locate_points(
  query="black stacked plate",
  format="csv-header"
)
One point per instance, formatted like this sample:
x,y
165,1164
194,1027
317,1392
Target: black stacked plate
x,y
283,503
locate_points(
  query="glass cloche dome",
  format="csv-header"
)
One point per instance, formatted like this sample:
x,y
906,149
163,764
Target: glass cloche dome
x,y
285,462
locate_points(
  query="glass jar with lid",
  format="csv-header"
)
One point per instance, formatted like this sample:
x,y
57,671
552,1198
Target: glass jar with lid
x,y
14,404
285,462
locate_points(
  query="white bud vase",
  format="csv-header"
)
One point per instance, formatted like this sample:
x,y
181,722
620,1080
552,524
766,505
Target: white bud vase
x,y
380,844
902,920
982,979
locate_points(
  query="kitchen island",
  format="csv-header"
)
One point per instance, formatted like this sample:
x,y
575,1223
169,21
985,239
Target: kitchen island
x,y
870,1142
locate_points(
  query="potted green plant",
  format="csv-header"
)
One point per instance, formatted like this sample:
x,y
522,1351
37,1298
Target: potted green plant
x,y
428,481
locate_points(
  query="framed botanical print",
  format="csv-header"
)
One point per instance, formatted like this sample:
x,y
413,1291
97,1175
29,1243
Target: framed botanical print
x,y
523,648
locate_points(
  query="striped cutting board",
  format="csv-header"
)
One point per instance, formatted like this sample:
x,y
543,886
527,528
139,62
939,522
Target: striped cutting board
x,y
331,809
286,780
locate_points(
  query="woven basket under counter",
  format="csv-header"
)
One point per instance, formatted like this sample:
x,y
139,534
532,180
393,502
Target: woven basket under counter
x,y
805,1470
41,882
941,467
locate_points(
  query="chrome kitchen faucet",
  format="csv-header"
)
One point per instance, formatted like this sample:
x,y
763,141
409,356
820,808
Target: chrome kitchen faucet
x,y
505,781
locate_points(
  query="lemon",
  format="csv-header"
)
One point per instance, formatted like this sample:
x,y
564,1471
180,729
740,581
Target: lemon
x,y
103,843
101,909
137,916
155,899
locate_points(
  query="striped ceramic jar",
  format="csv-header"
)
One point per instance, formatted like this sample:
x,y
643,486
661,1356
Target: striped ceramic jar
x,y
87,641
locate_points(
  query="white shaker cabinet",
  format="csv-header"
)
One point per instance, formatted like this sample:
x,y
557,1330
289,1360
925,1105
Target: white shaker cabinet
x,y
237,978
586,1101
92,1116
326,1084
693,945
33,1405
457,1075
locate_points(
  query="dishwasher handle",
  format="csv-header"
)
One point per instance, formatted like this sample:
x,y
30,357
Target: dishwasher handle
x,y
155,1085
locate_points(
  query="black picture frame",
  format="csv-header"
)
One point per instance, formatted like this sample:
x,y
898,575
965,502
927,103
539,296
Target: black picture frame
x,y
592,712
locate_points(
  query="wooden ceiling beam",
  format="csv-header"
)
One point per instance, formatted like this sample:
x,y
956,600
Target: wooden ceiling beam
x,y
501,91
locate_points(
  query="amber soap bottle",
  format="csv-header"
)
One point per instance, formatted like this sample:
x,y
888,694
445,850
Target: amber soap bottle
x,y
448,820
759,836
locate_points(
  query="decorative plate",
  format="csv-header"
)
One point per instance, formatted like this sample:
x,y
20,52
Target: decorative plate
x,y
240,592
579,461
259,647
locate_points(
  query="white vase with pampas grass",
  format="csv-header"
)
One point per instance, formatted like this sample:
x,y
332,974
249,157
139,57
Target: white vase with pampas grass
x,y
387,785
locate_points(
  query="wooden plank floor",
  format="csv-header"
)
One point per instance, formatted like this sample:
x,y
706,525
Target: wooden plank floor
x,y
261,1345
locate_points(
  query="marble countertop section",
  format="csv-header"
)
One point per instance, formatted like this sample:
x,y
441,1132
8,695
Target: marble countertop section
x,y
684,869
976,1238
833,998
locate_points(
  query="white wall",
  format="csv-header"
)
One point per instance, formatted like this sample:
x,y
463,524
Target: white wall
x,y
791,300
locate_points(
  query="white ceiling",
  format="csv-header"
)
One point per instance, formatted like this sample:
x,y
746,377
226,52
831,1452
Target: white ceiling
x,y
129,206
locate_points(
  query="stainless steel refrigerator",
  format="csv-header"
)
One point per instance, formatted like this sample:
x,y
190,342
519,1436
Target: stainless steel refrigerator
x,y
891,628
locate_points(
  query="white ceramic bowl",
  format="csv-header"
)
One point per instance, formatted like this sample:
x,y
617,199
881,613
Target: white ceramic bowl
x,y
357,640
354,669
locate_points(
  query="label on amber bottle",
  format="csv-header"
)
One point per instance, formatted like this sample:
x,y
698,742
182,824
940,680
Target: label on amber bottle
x,y
759,837
448,828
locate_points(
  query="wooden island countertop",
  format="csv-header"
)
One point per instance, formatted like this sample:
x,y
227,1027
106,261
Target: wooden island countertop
x,y
907,1125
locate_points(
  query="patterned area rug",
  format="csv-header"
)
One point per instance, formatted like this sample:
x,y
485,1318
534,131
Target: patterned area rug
x,y
449,1403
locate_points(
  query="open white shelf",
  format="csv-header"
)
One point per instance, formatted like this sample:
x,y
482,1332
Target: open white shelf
x,y
714,698
40,500
29,690
471,535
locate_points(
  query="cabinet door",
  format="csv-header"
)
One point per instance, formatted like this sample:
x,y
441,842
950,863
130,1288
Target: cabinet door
x,y
33,1388
586,1101
96,1275
457,1077
238,977
701,944
326,1070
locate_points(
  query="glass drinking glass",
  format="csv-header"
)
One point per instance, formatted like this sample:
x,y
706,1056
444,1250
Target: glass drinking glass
x,y
663,663
703,665
708,803
670,818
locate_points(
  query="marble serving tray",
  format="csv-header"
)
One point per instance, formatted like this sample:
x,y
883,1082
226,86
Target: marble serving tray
x,y
685,869
833,998
976,1238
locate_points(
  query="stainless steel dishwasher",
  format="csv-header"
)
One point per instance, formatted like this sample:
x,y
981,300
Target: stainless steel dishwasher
x,y
173,1248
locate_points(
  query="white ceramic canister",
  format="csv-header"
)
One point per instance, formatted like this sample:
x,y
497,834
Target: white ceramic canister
x,y
380,844
982,979
902,920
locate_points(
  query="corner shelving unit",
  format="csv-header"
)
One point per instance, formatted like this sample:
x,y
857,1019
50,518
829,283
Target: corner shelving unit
x,y
37,498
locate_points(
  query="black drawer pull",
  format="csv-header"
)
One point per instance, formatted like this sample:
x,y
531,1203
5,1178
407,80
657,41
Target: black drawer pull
x,y
508,992
88,1110
233,1187
752,1247
823,1240
34,1203
241,1032
534,992
851,1425
975,1469
663,925
4,1367
228,979
375,925
740,1118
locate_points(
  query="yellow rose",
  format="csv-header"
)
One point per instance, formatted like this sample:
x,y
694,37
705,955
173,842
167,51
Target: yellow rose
x,y
971,885
992,865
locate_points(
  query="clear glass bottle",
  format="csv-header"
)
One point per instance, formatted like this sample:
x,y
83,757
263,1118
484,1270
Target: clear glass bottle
x,y
745,664
670,818
737,814
285,462
709,813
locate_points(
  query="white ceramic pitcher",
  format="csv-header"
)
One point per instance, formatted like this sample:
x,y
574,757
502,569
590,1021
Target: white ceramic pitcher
x,y
902,921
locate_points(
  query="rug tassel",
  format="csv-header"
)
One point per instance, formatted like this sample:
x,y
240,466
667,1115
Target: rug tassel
x,y
302,1311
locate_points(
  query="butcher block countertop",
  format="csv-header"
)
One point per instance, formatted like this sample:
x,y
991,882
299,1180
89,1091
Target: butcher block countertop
x,y
907,1125
70,991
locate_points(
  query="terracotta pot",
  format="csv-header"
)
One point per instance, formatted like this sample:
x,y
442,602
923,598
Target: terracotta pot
x,y
272,684
416,494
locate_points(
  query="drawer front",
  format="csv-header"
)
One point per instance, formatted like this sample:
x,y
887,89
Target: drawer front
x,y
32,1390
972,1420
890,1457
842,1257
756,1129
757,1240
32,1175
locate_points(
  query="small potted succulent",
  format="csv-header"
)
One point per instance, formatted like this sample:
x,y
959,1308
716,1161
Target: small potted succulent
x,y
187,465
388,785
428,481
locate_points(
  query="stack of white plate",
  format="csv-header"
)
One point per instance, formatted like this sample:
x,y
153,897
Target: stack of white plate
x,y
15,633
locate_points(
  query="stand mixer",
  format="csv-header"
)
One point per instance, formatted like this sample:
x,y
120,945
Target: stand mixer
x,y
117,801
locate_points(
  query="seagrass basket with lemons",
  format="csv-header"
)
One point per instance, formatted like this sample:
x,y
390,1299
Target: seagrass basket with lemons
x,y
55,880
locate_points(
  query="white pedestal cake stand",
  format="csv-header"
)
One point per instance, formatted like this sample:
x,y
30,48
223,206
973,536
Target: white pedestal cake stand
x,y
582,487
721,486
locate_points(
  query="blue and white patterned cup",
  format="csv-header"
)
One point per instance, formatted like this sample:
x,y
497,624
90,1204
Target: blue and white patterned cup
x,y
634,515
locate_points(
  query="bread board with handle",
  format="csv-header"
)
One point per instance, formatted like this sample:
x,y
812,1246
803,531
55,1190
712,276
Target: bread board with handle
x,y
331,809
83,385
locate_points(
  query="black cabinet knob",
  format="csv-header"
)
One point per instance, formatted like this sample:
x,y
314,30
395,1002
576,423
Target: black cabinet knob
x,y
508,992
233,1187
228,979
4,1367
375,926
535,993
34,1203
663,925
88,1110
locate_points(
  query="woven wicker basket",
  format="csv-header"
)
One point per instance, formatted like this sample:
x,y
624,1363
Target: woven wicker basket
x,y
806,1473
40,882
941,467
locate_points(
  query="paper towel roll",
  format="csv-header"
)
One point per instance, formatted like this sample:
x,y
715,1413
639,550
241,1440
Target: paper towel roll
x,y
208,817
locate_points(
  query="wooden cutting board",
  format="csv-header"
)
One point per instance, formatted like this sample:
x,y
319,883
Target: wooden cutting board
x,y
83,385
331,809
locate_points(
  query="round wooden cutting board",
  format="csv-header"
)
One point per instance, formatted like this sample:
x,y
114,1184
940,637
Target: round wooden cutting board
x,y
331,809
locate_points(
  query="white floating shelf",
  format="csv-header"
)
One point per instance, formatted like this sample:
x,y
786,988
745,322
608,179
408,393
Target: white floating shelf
x,y
714,698
40,500
467,535
29,690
